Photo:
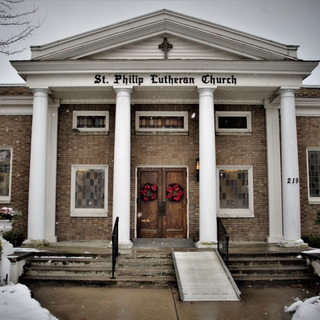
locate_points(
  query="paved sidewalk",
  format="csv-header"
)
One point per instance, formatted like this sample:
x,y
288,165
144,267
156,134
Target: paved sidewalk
x,y
95,303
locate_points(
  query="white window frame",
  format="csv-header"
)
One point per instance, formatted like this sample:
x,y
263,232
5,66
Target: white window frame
x,y
312,200
236,213
236,131
74,212
7,199
76,114
162,114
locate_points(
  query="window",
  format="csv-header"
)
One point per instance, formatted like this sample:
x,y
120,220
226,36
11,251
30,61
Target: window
x,y
89,192
235,191
157,122
313,155
91,121
5,174
233,122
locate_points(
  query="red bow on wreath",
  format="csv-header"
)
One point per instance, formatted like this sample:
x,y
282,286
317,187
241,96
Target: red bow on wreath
x,y
174,192
149,192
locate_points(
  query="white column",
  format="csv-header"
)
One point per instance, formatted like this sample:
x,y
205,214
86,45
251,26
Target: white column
x,y
52,142
274,174
207,170
290,170
121,171
37,178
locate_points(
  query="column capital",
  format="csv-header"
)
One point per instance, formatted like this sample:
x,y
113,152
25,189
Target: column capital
x,y
288,89
123,88
43,90
206,88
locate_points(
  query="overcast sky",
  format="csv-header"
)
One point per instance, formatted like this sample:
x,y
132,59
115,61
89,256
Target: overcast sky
x,y
291,22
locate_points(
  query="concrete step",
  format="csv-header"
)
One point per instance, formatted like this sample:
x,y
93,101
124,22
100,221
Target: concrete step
x,y
269,268
70,261
121,282
273,280
136,269
266,270
270,261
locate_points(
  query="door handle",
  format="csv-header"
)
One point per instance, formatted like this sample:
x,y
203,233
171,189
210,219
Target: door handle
x,y
161,208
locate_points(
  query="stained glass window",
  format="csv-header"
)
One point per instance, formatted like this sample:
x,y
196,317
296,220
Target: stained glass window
x,y
91,121
233,189
89,191
314,173
162,121
5,174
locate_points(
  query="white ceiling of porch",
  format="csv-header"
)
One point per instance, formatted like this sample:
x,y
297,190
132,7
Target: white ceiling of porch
x,y
164,95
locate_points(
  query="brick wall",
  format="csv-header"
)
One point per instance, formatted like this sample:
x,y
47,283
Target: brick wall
x,y
160,150
248,150
308,136
76,148
15,132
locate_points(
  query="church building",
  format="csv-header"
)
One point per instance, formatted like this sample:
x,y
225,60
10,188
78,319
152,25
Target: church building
x,y
168,122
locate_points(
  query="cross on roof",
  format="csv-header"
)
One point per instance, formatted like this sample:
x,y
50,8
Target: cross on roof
x,y
165,46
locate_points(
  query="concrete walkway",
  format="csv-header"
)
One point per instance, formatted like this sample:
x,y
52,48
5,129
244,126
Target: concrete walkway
x,y
96,303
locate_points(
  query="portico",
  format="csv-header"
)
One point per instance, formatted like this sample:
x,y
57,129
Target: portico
x,y
252,82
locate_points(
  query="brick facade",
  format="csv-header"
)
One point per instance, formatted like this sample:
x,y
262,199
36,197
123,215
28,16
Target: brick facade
x,y
308,136
160,150
15,132
248,150
79,148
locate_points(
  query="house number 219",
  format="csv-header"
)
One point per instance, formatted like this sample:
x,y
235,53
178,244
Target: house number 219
x,y
292,180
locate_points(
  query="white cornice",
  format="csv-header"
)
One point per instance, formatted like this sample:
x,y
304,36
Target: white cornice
x,y
303,68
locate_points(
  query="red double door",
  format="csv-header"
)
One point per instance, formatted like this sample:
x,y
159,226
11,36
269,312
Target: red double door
x,y
162,203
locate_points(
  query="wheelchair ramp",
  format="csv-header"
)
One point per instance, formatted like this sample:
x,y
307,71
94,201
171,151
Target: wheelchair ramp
x,y
203,276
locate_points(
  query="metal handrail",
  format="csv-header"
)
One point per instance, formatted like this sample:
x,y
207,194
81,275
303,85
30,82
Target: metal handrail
x,y
223,241
115,246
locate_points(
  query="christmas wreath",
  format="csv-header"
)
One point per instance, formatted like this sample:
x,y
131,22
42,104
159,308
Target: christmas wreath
x,y
174,192
149,192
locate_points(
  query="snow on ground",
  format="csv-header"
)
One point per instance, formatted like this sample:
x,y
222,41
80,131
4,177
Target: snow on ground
x,y
16,304
305,310
312,251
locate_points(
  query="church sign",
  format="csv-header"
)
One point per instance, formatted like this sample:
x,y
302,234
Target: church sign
x,y
164,79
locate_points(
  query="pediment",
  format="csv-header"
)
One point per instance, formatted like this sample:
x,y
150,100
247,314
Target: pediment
x,y
139,38
181,49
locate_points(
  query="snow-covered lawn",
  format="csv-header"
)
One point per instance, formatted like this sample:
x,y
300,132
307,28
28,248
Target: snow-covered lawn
x,y
16,304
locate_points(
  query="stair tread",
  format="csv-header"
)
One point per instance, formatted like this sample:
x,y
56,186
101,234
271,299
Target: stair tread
x,y
264,259
96,278
261,267
274,277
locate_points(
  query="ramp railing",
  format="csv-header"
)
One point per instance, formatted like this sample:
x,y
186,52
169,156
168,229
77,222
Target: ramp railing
x,y
223,241
115,246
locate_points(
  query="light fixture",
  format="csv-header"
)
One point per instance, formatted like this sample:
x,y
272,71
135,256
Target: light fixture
x,y
197,168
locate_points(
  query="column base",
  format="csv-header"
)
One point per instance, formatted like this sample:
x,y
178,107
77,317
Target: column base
x,y
52,239
206,244
123,244
274,239
36,243
292,243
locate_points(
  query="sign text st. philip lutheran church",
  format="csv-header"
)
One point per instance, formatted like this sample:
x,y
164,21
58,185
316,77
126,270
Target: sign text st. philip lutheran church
x,y
163,79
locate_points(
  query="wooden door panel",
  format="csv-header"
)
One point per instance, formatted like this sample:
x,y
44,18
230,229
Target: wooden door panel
x,y
175,221
148,220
